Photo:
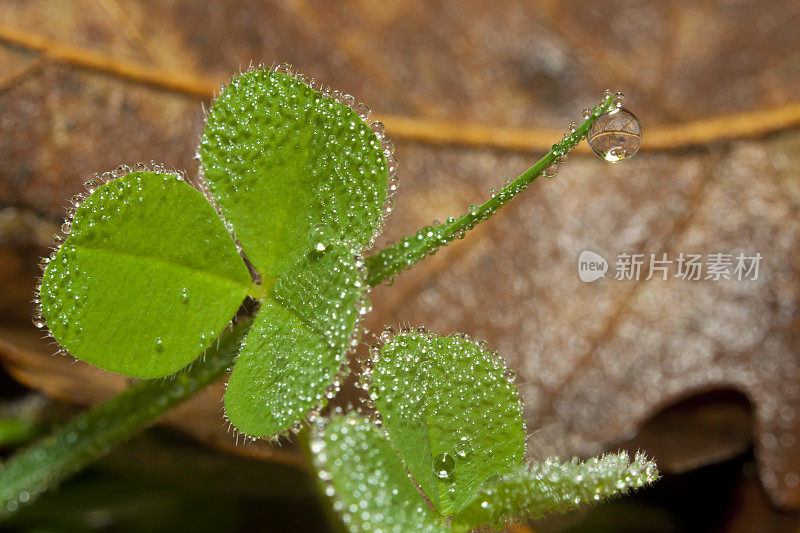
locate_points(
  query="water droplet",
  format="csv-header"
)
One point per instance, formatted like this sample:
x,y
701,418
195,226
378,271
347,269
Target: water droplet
x,y
387,335
615,135
463,447
443,466
551,171
77,200
38,321
362,110
379,129
91,186
391,165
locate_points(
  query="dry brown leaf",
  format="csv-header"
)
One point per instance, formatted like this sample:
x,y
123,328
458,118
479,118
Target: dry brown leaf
x,y
596,360
62,377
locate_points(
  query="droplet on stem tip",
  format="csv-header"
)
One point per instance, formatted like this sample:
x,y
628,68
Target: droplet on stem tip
x,y
616,135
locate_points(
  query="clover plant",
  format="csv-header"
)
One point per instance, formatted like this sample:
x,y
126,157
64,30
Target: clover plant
x,y
295,183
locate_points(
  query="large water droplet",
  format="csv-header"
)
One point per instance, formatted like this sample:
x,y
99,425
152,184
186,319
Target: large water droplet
x,y
615,135
443,466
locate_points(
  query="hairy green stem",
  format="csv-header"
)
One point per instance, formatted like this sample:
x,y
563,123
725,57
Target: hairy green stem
x,y
387,263
88,436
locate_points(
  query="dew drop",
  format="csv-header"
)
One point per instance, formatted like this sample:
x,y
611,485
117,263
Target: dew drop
x,y
551,171
391,165
463,447
77,200
443,466
387,335
38,321
615,135
91,186
362,110
379,129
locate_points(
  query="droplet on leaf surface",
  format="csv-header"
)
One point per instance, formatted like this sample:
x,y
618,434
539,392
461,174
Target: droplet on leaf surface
x,y
443,466
463,447
615,135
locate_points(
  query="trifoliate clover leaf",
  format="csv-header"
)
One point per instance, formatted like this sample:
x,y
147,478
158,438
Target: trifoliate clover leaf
x,y
453,412
149,275
368,485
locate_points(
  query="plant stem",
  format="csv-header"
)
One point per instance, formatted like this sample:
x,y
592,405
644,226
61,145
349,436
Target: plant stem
x,y
387,263
88,436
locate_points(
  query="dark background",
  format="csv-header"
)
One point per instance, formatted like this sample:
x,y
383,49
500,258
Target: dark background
x,y
701,374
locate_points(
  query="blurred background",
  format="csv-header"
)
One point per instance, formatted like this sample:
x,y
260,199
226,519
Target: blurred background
x,y
702,374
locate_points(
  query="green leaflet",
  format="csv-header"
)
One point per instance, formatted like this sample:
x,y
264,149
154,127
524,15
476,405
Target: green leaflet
x,y
147,279
283,162
451,412
362,475
297,343
551,486
293,172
